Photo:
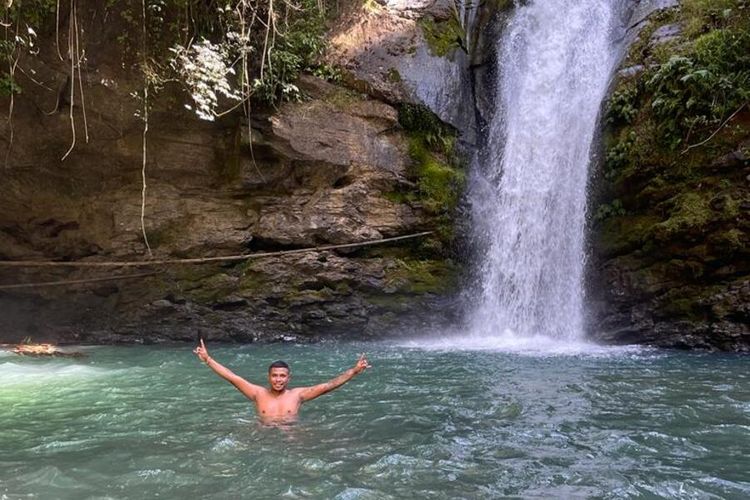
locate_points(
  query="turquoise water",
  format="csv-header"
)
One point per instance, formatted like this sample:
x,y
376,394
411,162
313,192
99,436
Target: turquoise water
x,y
425,422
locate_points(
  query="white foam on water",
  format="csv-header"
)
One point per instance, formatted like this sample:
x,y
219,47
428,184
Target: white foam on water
x,y
12,373
537,345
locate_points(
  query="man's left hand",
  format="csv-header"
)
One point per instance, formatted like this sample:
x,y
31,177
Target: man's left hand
x,y
202,352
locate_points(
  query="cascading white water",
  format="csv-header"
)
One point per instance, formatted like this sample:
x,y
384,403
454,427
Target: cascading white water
x,y
528,192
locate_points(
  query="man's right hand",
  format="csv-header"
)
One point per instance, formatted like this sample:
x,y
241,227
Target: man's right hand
x,y
362,364
202,352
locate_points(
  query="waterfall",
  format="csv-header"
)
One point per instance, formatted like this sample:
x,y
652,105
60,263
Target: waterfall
x,y
528,190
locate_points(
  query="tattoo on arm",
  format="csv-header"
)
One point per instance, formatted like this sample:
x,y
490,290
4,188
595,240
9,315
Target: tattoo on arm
x,y
326,387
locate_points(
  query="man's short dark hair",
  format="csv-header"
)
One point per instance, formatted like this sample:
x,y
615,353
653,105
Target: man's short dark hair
x,y
278,364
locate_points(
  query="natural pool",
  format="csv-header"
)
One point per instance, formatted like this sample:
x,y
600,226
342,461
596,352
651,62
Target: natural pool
x,y
428,421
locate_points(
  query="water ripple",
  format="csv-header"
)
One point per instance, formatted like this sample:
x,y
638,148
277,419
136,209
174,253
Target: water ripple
x,y
134,423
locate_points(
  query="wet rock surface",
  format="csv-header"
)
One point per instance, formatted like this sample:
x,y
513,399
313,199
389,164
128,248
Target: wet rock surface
x,y
409,52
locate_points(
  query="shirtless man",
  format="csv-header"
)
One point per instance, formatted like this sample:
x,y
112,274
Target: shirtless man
x,y
278,402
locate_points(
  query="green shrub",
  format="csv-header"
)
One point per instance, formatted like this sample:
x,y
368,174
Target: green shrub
x,y
607,210
724,51
418,120
622,107
328,72
8,86
701,16
297,49
694,91
618,156
697,83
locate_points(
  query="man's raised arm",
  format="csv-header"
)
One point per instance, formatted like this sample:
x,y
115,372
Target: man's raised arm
x,y
308,393
249,390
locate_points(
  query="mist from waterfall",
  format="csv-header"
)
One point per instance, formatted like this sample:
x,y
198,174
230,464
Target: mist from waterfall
x,y
528,190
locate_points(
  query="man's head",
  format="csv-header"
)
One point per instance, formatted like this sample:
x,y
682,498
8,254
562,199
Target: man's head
x,y
279,375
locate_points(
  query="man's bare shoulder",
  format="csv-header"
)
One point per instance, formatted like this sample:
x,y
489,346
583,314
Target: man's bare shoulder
x,y
296,391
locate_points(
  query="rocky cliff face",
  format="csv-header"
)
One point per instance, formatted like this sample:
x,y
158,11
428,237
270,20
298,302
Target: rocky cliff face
x,y
409,51
336,168
670,217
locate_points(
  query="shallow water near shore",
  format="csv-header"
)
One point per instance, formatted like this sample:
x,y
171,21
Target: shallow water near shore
x,y
428,421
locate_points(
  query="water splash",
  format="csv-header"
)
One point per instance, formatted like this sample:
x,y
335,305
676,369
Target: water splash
x,y
538,346
528,192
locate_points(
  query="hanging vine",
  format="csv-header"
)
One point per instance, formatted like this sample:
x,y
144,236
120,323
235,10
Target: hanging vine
x,y
228,54
145,128
12,57
15,43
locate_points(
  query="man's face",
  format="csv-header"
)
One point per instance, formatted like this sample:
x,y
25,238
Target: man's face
x,y
278,378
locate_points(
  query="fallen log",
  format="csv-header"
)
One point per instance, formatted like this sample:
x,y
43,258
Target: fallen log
x,y
43,350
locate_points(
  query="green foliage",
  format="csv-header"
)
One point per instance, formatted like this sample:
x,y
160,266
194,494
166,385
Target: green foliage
x,y
293,44
702,16
733,239
679,204
7,47
607,210
622,107
298,49
723,51
695,91
36,14
277,83
619,156
678,90
8,86
328,72
415,276
21,21
418,120
691,86
371,6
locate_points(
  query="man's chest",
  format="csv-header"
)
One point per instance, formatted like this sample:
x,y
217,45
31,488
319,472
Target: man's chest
x,y
284,405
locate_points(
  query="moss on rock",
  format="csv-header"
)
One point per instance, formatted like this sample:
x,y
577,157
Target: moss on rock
x,y
414,276
690,213
444,36
619,235
436,169
440,184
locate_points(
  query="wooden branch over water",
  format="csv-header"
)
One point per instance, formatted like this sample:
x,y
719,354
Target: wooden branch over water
x,y
36,263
